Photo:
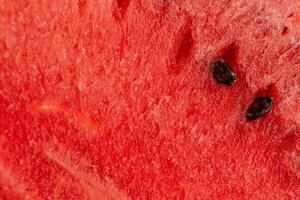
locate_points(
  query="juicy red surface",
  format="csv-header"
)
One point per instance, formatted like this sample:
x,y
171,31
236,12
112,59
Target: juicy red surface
x,y
115,100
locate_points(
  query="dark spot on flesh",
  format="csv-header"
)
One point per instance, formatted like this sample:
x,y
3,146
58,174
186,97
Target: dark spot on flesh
x,y
259,107
121,9
185,46
122,4
183,49
285,30
223,73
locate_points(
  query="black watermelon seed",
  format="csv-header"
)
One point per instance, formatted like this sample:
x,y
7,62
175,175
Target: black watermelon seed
x,y
223,73
259,107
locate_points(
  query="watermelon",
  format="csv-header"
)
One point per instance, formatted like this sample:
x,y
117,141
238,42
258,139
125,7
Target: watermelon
x,y
117,99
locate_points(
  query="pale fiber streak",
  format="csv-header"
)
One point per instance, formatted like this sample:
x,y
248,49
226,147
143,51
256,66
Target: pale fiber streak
x,y
10,181
90,182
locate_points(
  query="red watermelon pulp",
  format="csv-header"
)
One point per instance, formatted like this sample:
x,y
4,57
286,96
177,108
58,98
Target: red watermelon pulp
x,y
114,99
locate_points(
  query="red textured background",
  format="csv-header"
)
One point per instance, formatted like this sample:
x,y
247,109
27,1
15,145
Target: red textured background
x,y
111,99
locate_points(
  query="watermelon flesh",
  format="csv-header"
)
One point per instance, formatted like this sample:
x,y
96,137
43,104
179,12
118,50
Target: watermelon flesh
x,y
115,99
